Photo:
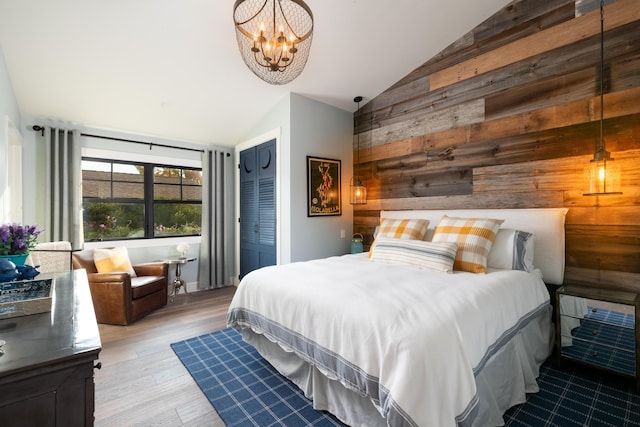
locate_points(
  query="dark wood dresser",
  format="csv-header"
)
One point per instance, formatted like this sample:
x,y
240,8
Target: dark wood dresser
x,y
46,371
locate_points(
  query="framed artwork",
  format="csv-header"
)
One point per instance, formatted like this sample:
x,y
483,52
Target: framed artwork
x,y
323,187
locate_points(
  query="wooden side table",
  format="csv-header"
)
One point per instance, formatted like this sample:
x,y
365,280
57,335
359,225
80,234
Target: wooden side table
x,y
178,282
599,327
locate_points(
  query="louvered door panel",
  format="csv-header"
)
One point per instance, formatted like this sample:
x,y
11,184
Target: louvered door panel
x,y
267,209
257,207
249,209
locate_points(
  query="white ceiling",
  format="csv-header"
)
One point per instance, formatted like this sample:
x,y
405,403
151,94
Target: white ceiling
x,y
171,68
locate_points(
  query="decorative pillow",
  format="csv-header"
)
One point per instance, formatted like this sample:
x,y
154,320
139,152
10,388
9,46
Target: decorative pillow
x,y
414,229
512,250
113,260
474,237
415,253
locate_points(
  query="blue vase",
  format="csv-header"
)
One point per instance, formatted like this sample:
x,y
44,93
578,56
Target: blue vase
x,y
16,259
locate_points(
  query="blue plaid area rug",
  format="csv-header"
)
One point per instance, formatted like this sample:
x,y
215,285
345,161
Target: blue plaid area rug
x,y
246,390
577,396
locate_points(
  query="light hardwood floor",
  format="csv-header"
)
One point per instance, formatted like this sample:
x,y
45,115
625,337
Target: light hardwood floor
x,y
142,382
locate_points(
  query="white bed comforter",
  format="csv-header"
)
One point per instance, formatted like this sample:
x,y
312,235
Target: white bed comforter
x,y
409,339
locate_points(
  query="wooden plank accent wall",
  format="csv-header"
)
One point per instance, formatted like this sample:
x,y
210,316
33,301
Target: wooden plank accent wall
x,y
508,117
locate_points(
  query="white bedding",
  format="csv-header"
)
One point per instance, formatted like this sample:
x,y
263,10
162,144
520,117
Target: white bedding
x,y
415,355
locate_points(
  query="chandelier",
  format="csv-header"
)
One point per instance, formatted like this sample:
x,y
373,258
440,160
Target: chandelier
x,y
274,37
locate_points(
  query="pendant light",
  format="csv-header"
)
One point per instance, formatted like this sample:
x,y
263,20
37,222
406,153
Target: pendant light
x,y
357,187
602,176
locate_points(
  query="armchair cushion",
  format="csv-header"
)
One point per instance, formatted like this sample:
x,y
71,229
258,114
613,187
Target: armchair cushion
x,y
146,285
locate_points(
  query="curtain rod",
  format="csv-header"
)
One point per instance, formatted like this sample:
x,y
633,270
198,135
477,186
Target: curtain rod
x,y
150,144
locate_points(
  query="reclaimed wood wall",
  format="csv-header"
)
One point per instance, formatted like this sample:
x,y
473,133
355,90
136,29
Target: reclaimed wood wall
x,y
508,117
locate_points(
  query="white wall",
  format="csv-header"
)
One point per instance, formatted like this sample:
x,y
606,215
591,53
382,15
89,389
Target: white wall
x,y
10,123
8,102
318,129
308,127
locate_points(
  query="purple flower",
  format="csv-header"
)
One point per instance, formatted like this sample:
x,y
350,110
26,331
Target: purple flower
x,y
5,233
17,239
19,246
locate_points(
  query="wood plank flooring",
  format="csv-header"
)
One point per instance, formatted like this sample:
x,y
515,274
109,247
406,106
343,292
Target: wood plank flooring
x,y
142,382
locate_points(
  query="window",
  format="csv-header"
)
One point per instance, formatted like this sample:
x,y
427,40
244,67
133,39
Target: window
x,y
128,200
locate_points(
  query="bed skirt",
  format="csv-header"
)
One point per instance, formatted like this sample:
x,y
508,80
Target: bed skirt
x,y
501,383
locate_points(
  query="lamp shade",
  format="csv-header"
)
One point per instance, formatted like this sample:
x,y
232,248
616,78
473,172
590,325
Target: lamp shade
x,y
602,177
358,191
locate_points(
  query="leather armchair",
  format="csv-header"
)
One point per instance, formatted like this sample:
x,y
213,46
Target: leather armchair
x,y
120,299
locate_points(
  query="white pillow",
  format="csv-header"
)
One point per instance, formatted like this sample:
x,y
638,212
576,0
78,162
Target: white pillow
x,y
113,260
512,250
415,253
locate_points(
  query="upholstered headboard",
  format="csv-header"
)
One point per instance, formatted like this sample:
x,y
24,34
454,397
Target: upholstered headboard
x,y
546,224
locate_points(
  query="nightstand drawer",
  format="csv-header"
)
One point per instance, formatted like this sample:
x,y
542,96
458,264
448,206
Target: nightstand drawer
x,y
605,356
617,335
598,327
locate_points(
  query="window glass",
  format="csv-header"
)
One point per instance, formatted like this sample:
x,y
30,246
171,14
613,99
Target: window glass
x,y
167,192
177,219
128,172
109,220
128,190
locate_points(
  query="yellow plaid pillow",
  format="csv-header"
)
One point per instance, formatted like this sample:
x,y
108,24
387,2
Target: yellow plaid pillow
x,y
412,229
112,260
474,237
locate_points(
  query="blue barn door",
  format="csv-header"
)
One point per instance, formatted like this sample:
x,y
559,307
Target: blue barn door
x,y
257,207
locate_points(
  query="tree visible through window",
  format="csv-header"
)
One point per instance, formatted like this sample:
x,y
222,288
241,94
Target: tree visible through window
x,y
127,200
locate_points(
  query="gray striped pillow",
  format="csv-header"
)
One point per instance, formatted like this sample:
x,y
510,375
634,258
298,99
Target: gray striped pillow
x,y
435,256
512,250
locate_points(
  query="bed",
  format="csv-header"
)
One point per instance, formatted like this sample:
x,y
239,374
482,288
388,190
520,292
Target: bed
x,y
378,342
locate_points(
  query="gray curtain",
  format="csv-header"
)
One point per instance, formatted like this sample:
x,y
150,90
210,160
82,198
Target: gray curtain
x,y
64,187
216,248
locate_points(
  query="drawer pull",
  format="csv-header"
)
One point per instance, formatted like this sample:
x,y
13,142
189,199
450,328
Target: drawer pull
x,y
98,365
595,332
594,310
595,354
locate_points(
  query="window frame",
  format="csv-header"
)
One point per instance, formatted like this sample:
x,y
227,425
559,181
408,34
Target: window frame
x,y
148,202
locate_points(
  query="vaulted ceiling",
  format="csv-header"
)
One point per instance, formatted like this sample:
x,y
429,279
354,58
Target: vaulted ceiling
x,y
171,68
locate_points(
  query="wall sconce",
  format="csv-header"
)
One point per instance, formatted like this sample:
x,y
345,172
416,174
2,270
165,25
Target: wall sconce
x,y
602,176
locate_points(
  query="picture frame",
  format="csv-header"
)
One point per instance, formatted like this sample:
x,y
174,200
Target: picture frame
x,y
324,195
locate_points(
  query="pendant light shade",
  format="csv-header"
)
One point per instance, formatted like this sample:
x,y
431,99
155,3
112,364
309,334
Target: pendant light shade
x,y
358,191
602,176
356,185
274,37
